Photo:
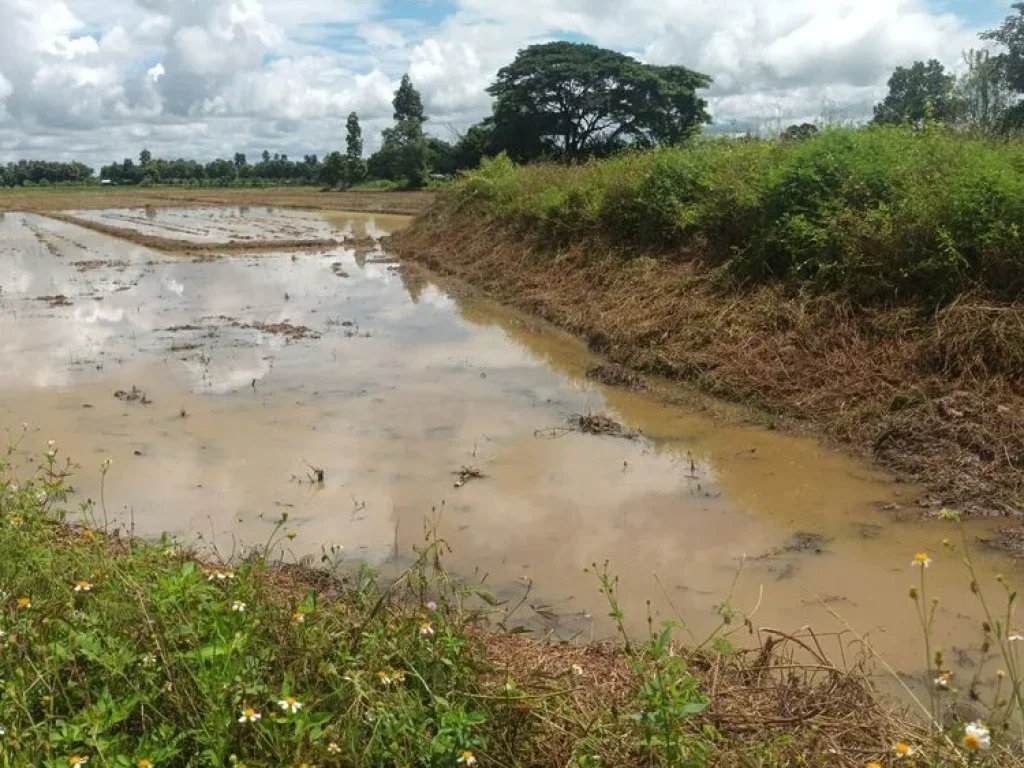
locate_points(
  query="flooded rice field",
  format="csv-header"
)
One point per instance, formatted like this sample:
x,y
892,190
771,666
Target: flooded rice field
x,y
221,387
215,225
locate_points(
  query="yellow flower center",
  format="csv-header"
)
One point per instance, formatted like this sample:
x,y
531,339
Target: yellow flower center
x,y
144,764
921,557
902,749
971,741
467,755
24,602
249,714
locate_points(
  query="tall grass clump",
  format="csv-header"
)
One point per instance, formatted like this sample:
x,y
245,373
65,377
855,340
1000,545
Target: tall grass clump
x,y
882,214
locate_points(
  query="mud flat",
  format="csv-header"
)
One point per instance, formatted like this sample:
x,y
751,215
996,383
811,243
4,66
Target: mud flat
x,y
226,389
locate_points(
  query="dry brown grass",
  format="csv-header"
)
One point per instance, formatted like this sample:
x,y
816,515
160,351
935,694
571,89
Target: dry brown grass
x,y
782,704
938,399
43,200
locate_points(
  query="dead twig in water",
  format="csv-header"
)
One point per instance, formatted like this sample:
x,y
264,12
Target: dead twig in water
x,y
136,395
589,424
316,475
465,474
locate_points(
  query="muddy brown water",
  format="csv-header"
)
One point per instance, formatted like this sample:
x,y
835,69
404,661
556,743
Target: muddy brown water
x,y
256,369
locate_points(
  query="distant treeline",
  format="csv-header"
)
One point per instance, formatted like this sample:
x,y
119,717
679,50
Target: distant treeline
x,y
42,172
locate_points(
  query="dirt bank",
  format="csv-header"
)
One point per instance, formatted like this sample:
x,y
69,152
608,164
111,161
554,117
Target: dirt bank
x,y
309,198
936,398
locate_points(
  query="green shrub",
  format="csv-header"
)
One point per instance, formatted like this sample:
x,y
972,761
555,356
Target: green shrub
x,y
883,214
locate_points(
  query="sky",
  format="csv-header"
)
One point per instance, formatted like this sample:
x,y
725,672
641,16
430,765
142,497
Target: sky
x,y
99,80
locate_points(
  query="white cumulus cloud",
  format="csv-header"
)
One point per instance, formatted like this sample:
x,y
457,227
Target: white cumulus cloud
x,y
95,80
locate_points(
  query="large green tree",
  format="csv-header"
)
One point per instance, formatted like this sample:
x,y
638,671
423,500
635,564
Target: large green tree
x,y
918,93
577,100
1010,34
332,171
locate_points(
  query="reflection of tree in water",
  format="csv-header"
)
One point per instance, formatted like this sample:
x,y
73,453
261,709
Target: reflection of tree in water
x,y
360,257
243,210
150,213
412,282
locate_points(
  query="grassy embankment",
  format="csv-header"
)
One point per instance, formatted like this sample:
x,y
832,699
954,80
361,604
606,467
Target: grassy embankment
x,y
125,653
869,283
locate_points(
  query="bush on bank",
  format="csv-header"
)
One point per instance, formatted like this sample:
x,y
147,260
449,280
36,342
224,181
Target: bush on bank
x,y
882,214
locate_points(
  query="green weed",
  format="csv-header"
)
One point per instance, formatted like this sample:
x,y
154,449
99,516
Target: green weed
x,y
883,214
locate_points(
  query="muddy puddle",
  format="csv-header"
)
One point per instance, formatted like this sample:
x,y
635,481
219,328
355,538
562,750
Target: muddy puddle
x,y
220,387
242,223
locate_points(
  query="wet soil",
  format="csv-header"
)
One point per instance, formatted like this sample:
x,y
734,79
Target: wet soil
x,y
937,397
422,408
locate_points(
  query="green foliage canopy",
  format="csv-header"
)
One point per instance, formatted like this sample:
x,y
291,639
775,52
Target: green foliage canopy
x,y
575,100
919,93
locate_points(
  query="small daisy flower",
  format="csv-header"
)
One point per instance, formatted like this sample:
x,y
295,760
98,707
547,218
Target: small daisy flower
x,y
149,660
431,605
427,629
83,586
902,749
168,687
921,559
976,737
41,497
24,603
249,715
3,731
398,677
1015,636
942,681
290,704
239,607
873,764
218,574
144,763
467,758
17,521
299,618
77,760
577,670
333,748
384,677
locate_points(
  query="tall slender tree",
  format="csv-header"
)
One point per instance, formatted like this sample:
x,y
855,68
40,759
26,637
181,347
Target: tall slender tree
x,y
355,166
405,153
408,104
